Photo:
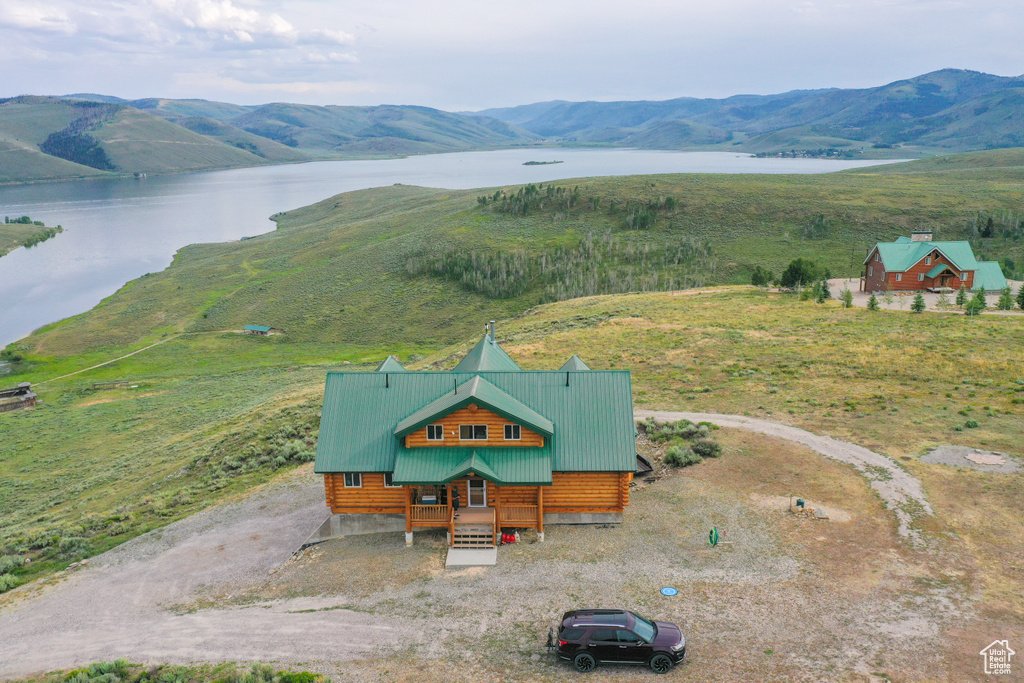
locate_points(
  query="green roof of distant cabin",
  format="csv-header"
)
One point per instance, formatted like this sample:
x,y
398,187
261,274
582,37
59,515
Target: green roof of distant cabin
x,y
902,254
258,328
990,276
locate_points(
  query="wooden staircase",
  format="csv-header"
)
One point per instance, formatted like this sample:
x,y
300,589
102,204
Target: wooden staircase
x,y
474,528
473,536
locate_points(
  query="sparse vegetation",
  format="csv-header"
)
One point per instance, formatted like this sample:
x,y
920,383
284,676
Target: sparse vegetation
x,y
123,671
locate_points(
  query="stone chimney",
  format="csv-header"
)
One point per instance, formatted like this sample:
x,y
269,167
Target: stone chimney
x,y
921,236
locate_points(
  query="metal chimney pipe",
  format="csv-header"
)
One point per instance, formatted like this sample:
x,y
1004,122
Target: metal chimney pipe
x,y
492,331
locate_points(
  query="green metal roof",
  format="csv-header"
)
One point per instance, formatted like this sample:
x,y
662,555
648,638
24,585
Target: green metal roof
x,y
258,328
574,364
389,364
593,413
901,255
938,269
503,466
480,391
487,356
990,276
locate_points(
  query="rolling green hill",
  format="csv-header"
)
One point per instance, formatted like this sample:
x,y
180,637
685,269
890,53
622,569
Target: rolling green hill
x,y
945,110
95,134
427,265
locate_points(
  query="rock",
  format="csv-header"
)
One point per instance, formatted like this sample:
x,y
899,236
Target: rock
x,y
535,657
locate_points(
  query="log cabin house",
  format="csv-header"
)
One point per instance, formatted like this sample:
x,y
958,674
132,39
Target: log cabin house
x,y
523,448
919,264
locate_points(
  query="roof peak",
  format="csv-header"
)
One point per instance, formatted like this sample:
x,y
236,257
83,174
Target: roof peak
x,y
487,355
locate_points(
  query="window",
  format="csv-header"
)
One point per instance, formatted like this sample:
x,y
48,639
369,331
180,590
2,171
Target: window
x,y
572,633
920,277
928,261
435,432
389,480
513,433
899,277
876,257
353,480
473,432
963,276
871,271
606,635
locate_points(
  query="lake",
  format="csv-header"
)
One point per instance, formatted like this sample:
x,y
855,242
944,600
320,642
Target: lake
x,y
119,229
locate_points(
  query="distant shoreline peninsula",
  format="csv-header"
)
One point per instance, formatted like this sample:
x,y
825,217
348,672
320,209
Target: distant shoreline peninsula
x,y
540,163
24,232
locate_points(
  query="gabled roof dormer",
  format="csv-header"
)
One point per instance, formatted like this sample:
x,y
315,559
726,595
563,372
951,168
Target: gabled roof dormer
x,y
482,393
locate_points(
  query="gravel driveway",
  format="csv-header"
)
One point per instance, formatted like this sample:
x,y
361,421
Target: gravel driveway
x,y
116,606
899,490
125,603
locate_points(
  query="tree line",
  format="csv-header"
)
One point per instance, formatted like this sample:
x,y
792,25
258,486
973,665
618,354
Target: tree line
x,y
604,264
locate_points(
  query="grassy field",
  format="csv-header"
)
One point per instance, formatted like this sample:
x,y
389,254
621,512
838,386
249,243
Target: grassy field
x,y
216,412
14,235
335,272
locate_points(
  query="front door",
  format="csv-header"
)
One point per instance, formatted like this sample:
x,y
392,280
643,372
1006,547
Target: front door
x,y
477,493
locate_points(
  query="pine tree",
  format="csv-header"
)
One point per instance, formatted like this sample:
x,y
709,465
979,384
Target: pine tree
x,y
1005,302
847,297
961,296
873,303
918,306
1020,297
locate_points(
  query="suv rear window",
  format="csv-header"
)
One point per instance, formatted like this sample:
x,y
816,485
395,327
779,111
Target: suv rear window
x,y
572,633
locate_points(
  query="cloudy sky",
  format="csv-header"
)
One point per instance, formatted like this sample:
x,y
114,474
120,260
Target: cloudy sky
x,y
474,54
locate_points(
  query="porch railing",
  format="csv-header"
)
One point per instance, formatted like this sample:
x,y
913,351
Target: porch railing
x,y
518,515
429,515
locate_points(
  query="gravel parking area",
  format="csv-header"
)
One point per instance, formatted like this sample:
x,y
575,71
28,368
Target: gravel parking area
x,y
785,598
900,490
972,458
901,301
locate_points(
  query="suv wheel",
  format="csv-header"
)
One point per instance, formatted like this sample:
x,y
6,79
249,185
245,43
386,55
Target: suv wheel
x,y
661,664
585,662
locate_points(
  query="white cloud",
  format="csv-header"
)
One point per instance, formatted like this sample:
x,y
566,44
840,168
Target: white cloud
x,y
33,16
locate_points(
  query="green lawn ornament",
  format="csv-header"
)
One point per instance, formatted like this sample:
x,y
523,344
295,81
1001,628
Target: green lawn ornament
x,y
713,537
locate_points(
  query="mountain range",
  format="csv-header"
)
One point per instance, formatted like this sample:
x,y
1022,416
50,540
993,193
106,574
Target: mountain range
x,y
85,135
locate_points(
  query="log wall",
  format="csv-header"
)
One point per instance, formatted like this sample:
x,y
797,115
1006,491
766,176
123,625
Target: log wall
x,y
372,496
473,415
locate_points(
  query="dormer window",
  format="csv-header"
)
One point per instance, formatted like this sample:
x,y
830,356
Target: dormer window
x,y
473,432
435,432
513,433
928,260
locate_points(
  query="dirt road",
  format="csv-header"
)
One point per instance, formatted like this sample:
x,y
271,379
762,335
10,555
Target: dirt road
x,y
899,490
127,602
122,603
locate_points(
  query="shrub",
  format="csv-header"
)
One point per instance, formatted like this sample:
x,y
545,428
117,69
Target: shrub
x,y
971,424
10,562
707,448
679,456
873,303
7,582
72,546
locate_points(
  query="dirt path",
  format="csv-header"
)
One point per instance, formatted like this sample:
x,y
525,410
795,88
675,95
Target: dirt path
x,y
899,490
117,605
146,600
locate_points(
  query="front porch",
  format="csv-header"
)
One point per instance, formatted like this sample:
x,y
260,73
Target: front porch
x,y
476,525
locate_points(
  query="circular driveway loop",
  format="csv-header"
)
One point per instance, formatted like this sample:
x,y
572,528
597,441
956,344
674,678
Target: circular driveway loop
x,y
121,603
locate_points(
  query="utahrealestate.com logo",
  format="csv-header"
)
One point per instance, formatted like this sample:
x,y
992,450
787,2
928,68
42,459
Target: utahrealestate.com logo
x,y
997,657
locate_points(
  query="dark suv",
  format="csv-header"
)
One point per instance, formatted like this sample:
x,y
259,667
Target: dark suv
x,y
588,636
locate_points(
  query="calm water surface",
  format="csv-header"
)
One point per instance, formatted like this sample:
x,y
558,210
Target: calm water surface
x,y
117,230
